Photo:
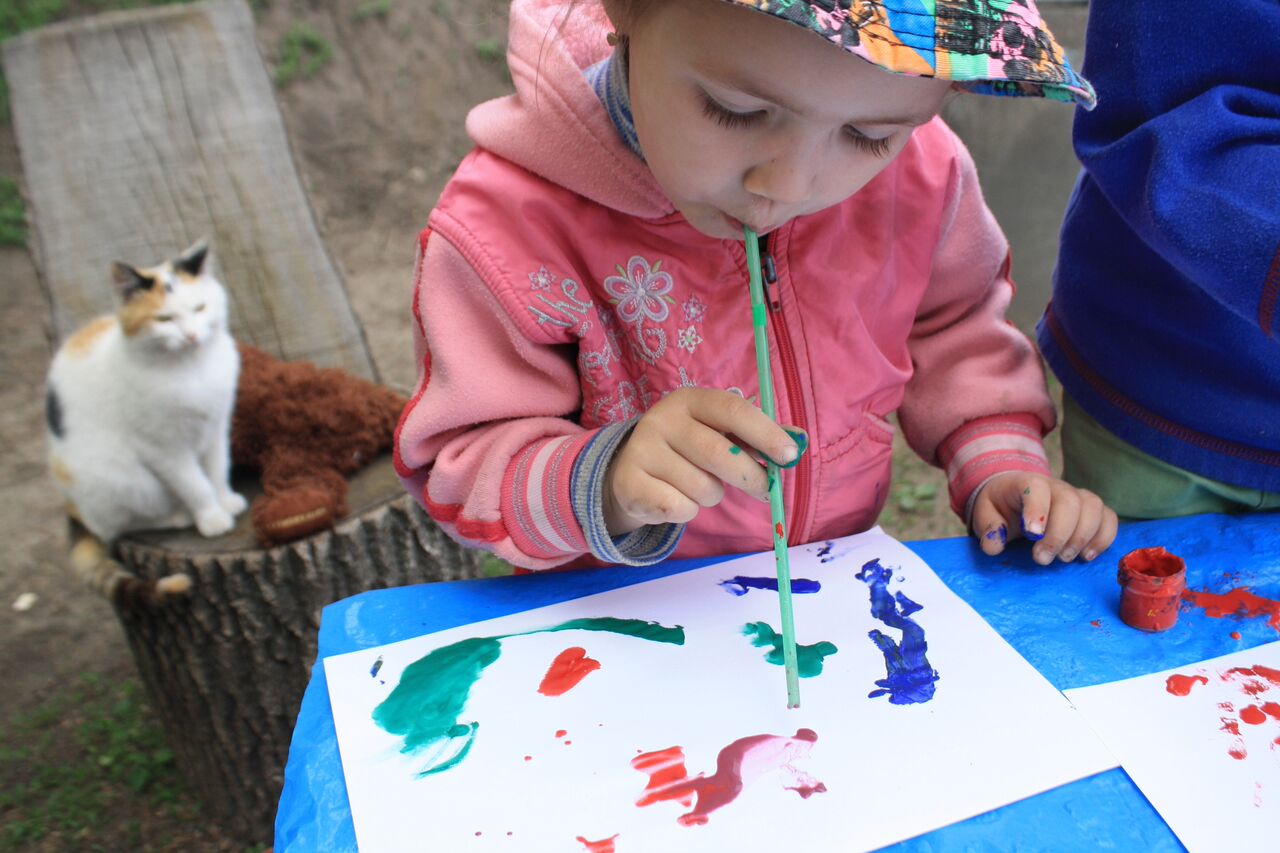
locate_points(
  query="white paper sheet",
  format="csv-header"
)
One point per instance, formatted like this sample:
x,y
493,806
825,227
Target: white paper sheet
x,y
1204,747
555,772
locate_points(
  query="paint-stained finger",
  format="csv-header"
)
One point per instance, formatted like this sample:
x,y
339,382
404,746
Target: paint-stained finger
x,y
726,412
713,453
990,526
1034,502
1064,513
698,485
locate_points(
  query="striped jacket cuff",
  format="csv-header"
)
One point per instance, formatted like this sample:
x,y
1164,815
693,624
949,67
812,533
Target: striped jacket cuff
x,y
537,503
643,547
981,449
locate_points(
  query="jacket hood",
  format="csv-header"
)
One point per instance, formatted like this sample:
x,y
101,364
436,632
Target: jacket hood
x,y
554,125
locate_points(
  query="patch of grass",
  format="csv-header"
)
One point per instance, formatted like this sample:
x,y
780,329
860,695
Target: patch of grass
x,y
109,749
371,9
490,50
302,53
13,220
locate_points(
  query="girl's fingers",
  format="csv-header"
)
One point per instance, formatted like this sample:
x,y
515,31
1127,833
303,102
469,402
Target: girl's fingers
x,y
1104,537
990,525
1087,524
726,412
703,488
650,500
1064,512
711,452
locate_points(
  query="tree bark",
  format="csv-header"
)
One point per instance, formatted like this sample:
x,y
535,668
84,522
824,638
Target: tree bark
x,y
227,666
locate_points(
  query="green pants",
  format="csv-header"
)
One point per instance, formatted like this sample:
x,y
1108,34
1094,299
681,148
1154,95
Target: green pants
x,y
1136,485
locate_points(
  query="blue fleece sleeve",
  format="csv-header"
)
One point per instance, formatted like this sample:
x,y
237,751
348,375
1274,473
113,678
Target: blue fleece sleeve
x,y
1185,143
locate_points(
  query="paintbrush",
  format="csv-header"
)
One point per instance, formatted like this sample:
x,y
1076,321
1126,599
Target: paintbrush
x,y
758,320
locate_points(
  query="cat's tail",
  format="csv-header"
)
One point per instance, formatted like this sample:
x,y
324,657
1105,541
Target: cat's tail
x,y
93,563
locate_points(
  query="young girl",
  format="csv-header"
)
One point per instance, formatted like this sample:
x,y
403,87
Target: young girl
x,y
582,318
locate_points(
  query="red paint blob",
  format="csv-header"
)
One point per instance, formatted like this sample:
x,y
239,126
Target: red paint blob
x,y
777,528
1253,715
1097,623
1235,635
1238,753
528,758
1180,685
1272,709
1231,727
737,765
1238,602
568,743
1151,581
605,846
561,732
566,671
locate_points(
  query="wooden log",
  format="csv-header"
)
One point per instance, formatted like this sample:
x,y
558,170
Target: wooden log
x,y
227,666
141,131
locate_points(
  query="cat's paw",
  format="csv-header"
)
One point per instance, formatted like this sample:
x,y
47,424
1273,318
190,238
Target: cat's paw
x,y
233,502
213,521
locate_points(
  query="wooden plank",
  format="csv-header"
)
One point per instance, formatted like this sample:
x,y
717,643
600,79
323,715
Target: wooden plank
x,y
141,131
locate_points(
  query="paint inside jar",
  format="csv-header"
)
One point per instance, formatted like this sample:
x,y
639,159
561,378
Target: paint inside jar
x,y
1151,584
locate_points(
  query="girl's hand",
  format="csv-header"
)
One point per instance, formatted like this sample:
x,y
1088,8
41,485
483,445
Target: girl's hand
x,y
680,456
1063,521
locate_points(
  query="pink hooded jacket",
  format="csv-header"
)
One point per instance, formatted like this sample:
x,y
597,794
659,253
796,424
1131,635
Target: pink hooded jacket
x,y
557,292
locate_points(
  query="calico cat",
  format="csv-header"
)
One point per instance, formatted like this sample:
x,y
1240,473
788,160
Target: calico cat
x,y
139,413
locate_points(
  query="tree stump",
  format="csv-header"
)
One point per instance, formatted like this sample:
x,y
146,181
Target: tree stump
x,y
140,131
227,667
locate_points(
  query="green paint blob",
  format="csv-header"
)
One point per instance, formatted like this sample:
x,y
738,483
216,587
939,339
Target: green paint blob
x,y
808,658
425,705
735,449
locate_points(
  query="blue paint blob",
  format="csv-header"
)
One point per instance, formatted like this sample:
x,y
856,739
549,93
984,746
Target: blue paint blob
x,y
740,585
910,678
377,665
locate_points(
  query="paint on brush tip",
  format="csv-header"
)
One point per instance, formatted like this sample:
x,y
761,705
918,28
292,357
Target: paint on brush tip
x,y
909,679
808,658
739,765
426,705
740,584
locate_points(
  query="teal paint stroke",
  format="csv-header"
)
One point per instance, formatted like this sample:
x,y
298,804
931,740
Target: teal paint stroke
x,y
425,706
809,658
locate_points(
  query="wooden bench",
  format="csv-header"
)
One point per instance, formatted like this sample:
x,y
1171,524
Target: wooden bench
x,y
139,132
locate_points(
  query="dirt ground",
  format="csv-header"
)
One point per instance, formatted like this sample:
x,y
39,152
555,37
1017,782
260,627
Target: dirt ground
x,y
375,134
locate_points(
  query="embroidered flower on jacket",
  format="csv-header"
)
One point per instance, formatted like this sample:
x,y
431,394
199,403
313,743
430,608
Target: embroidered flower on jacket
x,y
694,310
541,280
640,291
688,339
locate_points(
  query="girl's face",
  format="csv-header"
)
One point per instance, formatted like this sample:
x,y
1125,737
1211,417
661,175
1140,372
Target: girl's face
x,y
749,120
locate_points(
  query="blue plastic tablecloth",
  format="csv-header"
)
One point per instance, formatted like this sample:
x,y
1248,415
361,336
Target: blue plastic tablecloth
x,y
1047,614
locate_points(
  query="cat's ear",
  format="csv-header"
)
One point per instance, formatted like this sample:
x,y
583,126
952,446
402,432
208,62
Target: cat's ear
x,y
192,260
129,282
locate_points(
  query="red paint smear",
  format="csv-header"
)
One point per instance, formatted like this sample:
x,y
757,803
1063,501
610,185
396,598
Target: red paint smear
x,y
1237,602
561,732
1253,715
1227,706
738,764
777,528
1231,726
1272,675
566,671
1272,709
1097,623
1238,753
1180,685
605,846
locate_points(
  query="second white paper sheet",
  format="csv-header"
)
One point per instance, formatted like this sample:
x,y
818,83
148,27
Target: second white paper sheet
x,y
1202,743
657,744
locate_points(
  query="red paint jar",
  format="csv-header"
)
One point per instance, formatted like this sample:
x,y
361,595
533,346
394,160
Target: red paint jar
x,y
1151,585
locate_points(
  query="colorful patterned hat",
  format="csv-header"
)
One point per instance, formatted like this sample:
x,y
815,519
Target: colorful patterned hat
x,y
992,47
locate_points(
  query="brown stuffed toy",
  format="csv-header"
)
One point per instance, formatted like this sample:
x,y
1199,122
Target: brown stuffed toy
x,y
305,428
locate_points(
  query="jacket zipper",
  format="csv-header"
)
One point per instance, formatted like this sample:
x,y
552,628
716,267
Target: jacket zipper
x,y
791,382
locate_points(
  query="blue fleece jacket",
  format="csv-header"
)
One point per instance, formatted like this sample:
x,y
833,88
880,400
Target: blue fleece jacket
x,y
1164,323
